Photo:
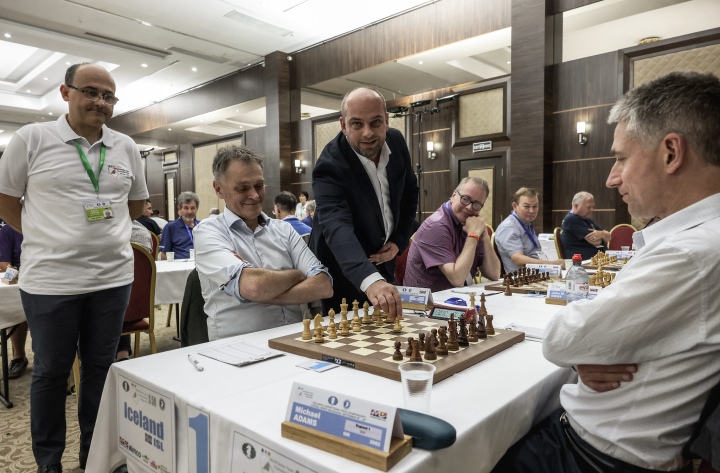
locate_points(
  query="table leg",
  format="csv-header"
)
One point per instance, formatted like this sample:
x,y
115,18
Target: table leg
x,y
5,395
177,322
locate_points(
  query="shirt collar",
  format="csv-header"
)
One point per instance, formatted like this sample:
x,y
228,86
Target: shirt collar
x,y
687,218
382,162
67,134
233,220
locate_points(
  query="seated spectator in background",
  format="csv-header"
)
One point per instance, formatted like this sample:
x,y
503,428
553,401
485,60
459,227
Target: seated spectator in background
x,y
10,243
302,199
310,211
284,206
580,235
158,219
515,237
453,243
214,211
177,235
147,222
255,272
141,236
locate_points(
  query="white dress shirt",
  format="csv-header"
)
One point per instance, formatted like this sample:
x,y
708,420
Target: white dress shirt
x,y
662,312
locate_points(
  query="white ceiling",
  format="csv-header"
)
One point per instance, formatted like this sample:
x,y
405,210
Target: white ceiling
x,y
152,47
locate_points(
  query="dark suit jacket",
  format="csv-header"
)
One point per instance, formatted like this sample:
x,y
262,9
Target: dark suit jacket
x,y
574,231
348,225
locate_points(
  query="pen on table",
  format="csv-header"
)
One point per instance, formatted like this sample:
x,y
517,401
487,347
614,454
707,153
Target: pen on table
x,y
195,363
466,292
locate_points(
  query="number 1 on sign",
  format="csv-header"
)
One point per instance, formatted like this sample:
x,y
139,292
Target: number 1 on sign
x,y
198,441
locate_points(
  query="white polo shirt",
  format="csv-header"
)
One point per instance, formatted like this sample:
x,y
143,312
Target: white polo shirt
x,y
63,253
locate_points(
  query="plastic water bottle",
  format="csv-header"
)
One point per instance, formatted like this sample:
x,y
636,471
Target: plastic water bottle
x,y
576,281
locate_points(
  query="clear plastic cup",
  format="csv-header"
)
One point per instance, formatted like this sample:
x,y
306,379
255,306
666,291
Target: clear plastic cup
x,y
170,255
417,380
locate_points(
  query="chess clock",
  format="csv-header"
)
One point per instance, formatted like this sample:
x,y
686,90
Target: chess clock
x,y
443,312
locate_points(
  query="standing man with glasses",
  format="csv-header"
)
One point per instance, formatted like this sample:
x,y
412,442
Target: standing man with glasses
x,y
453,242
77,263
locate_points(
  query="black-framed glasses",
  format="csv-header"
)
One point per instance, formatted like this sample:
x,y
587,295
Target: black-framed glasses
x,y
94,95
465,200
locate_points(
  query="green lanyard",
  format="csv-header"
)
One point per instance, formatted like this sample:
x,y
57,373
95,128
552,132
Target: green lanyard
x,y
86,165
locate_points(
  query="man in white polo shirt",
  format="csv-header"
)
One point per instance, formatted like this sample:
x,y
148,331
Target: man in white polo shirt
x,y
83,185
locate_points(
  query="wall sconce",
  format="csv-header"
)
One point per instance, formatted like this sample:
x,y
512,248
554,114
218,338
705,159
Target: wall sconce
x,y
298,168
582,137
431,150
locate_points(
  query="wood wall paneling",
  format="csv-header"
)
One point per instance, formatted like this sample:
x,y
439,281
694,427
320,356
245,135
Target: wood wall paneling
x,y
277,131
531,101
565,5
584,175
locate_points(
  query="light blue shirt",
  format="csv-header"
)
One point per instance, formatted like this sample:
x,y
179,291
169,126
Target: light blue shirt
x,y
273,245
512,237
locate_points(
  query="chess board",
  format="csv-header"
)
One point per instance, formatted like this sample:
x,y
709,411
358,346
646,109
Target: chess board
x,y
533,288
372,348
617,266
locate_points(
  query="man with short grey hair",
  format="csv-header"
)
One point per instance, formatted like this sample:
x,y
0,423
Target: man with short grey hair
x,y
580,234
255,272
177,236
453,243
310,211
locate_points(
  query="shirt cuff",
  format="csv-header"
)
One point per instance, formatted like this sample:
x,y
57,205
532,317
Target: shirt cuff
x,y
365,284
317,269
232,288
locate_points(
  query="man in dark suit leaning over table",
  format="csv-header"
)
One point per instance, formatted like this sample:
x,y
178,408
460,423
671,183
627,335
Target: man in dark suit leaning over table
x,y
83,184
255,272
660,312
366,194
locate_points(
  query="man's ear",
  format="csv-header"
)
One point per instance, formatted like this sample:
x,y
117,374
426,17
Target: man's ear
x,y
216,186
675,148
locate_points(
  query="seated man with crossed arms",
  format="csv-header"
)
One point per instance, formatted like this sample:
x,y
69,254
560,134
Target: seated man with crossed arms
x,y
255,272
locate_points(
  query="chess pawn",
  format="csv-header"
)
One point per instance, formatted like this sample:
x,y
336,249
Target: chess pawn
x,y
397,356
306,333
472,333
489,327
366,320
319,334
408,352
344,329
397,328
421,336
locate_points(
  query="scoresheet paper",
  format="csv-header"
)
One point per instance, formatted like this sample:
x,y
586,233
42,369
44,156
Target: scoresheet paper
x,y
240,353
347,417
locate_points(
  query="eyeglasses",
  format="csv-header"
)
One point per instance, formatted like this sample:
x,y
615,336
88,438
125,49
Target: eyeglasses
x,y
93,95
465,200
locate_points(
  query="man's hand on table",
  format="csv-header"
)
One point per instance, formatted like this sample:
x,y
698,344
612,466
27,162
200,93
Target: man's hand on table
x,y
385,296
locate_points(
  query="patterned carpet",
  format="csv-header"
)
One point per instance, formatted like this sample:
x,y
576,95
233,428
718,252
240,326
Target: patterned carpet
x,y
15,445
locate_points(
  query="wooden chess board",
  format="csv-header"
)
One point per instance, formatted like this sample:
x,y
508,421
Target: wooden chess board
x,y
533,288
371,349
617,266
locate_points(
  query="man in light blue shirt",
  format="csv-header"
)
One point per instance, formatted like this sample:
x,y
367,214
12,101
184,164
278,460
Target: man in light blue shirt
x,y
285,204
515,237
255,272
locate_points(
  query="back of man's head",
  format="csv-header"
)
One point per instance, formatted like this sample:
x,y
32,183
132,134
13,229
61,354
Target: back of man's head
x,y
310,206
686,103
286,202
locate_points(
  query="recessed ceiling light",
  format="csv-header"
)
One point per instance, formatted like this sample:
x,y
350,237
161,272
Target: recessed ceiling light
x,y
8,35
237,110
202,121
508,62
240,126
49,113
420,62
143,65
169,129
28,91
45,78
68,63
194,69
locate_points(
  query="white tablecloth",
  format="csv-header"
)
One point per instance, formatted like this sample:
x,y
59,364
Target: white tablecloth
x,y
170,280
11,311
491,404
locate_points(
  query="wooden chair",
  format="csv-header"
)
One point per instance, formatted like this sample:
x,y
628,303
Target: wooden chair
x,y
558,243
621,235
497,252
155,245
140,313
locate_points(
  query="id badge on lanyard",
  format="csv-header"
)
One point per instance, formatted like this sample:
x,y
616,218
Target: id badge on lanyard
x,y
99,210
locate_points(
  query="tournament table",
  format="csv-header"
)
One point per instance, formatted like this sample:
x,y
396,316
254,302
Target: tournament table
x,y
491,404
